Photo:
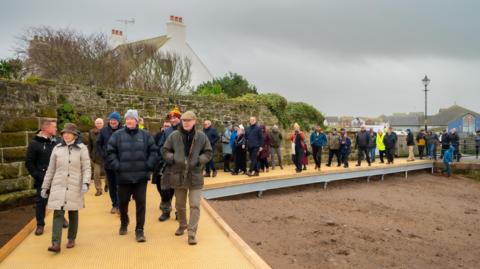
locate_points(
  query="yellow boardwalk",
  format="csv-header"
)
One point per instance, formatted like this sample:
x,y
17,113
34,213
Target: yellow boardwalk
x,y
100,246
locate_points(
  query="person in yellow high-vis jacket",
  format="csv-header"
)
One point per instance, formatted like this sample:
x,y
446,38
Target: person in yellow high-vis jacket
x,y
380,144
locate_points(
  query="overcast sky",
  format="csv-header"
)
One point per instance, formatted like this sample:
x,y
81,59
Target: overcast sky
x,y
360,58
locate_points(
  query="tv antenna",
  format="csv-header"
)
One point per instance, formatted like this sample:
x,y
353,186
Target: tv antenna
x,y
126,22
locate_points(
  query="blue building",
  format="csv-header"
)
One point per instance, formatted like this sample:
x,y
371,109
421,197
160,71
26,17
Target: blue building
x,y
464,120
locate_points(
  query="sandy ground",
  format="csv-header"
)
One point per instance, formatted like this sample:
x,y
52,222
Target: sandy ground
x,y
424,221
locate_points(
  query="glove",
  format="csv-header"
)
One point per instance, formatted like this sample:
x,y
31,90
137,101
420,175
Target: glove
x,y
44,193
84,188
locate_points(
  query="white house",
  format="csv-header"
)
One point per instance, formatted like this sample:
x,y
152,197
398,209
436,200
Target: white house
x,y
175,41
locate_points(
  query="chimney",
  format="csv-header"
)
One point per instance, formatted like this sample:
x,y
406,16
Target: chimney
x,y
176,30
116,38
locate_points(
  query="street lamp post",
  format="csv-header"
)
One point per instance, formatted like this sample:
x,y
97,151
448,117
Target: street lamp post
x,y
425,82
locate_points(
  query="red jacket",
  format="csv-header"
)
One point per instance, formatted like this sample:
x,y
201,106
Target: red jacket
x,y
302,139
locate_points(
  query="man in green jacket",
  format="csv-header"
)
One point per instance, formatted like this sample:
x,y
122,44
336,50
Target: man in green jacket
x,y
186,151
276,148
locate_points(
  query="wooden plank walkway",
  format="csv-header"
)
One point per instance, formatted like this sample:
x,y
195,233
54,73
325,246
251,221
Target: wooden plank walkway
x,y
226,184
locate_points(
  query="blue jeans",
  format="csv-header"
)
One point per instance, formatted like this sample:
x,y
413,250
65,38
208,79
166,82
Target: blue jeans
x,y
372,154
432,152
448,169
112,186
40,207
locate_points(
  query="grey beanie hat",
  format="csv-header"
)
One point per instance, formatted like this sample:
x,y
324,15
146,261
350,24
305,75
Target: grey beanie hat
x,y
132,113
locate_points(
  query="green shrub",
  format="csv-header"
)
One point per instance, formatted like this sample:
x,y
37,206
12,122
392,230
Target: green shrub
x,y
65,114
304,114
232,85
33,80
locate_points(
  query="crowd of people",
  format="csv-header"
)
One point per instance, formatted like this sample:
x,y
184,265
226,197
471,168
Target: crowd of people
x,y
179,157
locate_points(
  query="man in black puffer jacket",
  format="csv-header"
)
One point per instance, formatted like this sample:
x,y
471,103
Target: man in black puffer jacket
x,y
36,161
362,143
132,154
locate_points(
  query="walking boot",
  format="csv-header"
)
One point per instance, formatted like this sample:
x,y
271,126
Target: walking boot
x,y
140,236
214,173
39,230
192,240
180,230
207,174
165,216
70,243
98,193
123,230
54,248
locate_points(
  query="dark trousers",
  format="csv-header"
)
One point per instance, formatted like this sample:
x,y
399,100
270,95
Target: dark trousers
x,y
331,153
317,155
361,151
477,149
210,166
381,153
390,154
112,186
344,157
139,192
240,160
298,158
264,163
40,207
253,159
421,150
456,153
58,219
226,162
166,197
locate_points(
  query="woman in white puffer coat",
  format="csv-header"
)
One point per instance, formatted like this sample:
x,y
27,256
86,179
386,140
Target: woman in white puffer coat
x,y
66,180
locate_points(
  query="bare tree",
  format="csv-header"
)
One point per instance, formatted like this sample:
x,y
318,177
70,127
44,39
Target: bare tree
x,y
69,56
164,72
72,57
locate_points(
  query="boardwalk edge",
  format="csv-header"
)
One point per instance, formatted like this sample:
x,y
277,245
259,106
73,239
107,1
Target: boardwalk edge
x,y
239,243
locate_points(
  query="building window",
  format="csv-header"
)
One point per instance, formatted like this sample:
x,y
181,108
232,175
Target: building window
x,y
469,124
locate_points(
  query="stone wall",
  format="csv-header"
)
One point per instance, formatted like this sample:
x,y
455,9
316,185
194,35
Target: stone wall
x,y
23,105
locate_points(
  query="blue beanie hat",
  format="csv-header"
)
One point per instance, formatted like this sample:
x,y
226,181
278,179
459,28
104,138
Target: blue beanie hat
x,y
115,116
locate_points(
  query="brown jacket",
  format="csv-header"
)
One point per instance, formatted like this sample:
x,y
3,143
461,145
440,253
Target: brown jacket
x,y
185,171
68,170
92,146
